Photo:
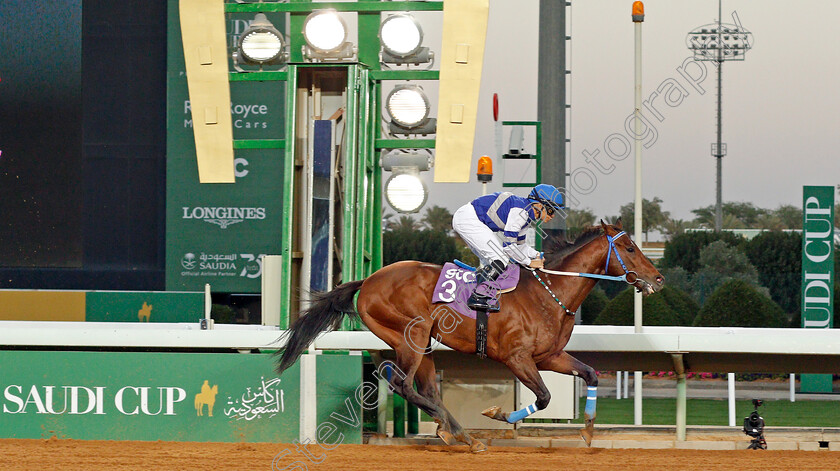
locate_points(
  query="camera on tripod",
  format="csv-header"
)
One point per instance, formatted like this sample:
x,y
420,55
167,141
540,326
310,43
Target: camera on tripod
x,y
754,427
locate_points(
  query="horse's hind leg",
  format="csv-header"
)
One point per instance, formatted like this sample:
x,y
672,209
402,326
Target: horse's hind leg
x,y
447,425
407,363
564,363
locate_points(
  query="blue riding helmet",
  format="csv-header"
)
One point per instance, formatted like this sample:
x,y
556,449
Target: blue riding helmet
x,y
549,196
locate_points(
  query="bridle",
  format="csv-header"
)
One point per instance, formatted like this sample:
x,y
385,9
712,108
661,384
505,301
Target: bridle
x,y
630,277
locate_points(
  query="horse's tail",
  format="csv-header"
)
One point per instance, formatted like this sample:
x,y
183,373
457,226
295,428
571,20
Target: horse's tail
x,y
326,312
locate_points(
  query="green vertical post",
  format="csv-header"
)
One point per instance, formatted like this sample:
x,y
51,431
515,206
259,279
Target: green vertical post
x,y
351,149
413,421
288,197
376,219
368,35
399,416
296,39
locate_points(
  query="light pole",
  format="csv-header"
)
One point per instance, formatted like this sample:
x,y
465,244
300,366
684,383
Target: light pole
x,y
719,42
638,17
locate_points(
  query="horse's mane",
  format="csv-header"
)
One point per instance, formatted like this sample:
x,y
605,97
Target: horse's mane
x,y
564,247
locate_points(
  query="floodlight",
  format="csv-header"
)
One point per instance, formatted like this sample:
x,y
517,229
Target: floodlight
x,y
406,162
325,33
260,44
402,39
405,192
409,108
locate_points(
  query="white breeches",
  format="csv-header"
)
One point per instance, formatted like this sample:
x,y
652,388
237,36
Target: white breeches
x,y
479,238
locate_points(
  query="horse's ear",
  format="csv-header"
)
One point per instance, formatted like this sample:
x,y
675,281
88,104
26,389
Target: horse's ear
x,y
617,224
603,225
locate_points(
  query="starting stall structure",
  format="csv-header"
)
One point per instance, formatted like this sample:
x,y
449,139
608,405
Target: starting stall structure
x,y
336,139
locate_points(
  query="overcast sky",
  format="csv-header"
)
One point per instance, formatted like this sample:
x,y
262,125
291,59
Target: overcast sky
x,y
781,107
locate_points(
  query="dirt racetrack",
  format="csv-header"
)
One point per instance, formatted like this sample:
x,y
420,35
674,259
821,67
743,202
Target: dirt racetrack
x,y
77,455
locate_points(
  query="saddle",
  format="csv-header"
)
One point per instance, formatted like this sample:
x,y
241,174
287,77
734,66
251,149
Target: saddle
x,y
455,285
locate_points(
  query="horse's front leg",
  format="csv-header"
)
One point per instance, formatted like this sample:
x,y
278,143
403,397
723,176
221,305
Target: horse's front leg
x,y
564,363
526,371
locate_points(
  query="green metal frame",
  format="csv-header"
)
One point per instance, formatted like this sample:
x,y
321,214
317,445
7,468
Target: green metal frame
x,y
537,154
362,212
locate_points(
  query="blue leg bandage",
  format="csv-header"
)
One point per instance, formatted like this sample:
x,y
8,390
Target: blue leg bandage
x,y
591,398
521,414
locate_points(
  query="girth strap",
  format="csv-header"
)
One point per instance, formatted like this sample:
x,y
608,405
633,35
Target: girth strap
x,y
481,333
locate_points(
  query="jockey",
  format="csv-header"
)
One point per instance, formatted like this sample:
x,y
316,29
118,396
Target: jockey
x,y
478,221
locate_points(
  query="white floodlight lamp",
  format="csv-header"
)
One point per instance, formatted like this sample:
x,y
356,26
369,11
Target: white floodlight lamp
x,y
260,44
405,192
409,109
325,33
402,39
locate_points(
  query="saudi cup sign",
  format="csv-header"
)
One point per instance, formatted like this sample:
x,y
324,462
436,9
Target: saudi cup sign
x,y
817,269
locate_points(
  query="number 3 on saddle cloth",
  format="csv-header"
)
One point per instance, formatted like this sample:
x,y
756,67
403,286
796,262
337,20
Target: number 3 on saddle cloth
x,y
455,285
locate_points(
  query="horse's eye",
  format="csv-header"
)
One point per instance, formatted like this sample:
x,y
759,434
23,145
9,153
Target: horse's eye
x,y
631,249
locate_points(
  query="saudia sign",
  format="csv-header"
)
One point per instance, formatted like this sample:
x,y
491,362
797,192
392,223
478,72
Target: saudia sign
x,y
817,270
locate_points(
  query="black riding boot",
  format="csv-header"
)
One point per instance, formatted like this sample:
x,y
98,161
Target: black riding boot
x,y
484,296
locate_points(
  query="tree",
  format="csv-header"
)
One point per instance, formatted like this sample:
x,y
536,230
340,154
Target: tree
x,y
438,218
652,215
769,222
674,227
719,263
426,246
577,220
593,305
740,215
681,303
678,277
620,310
791,216
404,223
778,258
737,304
684,250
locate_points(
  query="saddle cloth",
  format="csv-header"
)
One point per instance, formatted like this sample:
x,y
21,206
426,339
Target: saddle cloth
x,y
455,285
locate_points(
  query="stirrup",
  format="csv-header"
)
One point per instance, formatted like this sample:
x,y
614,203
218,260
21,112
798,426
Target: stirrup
x,y
479,302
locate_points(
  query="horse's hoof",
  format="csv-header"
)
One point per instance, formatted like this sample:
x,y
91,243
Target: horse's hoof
x,y
495,412
447,437
477,447
586,435
588,431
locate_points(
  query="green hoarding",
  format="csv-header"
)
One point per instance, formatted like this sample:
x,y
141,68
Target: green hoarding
x,y
144,306
168,396
217,233
817,270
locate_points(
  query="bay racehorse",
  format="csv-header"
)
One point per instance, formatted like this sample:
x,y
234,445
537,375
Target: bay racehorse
x,y
527,335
